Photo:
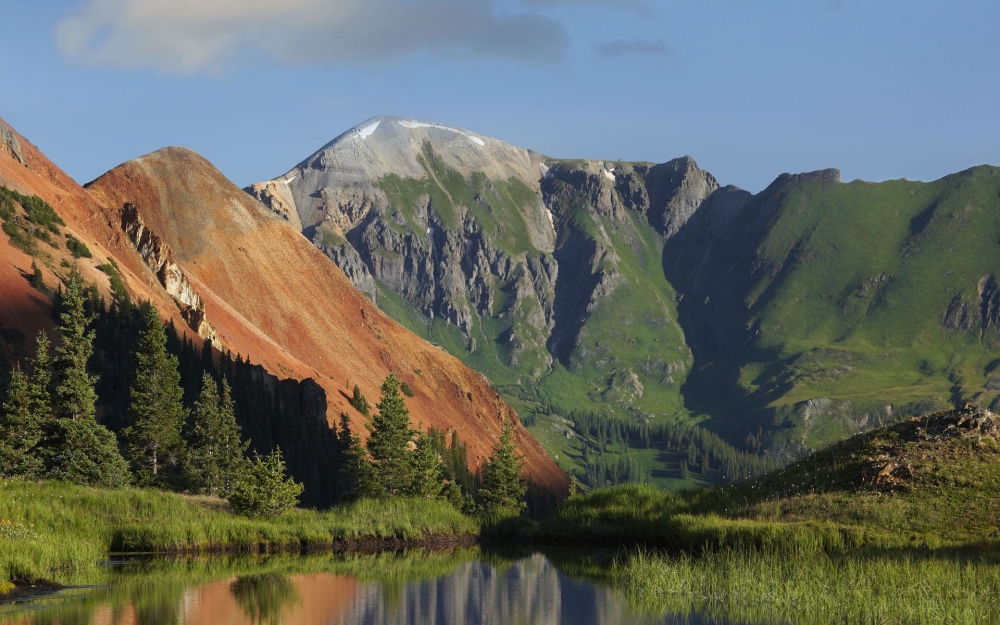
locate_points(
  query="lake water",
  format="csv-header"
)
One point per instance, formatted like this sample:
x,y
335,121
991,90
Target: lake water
x,y
448,588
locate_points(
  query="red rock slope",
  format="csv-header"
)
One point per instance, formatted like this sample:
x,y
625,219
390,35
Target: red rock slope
x,y
270,294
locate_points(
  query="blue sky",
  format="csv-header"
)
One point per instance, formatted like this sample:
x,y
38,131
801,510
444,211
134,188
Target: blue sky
x,y
881,90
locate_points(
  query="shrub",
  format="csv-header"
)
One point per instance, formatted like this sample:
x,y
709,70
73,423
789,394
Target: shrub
x,y
77,247
265,490
406,389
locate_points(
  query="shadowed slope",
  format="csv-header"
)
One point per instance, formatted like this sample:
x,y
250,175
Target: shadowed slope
x,y
270,294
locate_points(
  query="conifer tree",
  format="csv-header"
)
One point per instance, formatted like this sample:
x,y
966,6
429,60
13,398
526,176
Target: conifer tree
x,y
357,474
425,480
265,489
215,451
74,395
503,486
74,447
154,447
390,440
18,429
40,385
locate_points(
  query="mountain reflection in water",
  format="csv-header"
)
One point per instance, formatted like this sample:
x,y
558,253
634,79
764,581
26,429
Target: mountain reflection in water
x,y
463,590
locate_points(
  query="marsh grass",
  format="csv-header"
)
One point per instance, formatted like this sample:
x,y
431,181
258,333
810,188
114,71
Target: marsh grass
x,y
750,586
65,528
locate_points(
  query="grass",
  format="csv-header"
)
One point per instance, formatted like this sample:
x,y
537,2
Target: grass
x,y
765,587
923,483
63,528
844,291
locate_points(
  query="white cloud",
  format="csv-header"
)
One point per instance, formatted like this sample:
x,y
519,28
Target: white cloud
x,y
194,35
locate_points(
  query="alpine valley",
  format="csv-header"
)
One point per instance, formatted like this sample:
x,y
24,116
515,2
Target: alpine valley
x,y
646,322
626,308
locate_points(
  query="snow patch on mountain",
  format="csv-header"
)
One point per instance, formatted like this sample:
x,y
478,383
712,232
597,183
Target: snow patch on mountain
x,y
407,123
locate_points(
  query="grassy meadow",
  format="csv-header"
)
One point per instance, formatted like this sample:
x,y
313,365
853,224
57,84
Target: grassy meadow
x,y
50,530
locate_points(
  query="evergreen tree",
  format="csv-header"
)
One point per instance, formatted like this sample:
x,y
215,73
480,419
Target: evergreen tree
x,y
390,440
359,401
425,480
154,446
40,387
357,474
503,486
215,451
73,446
265,490
84,452
74,395
19,430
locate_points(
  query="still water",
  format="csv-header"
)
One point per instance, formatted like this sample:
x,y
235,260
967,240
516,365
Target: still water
x,y
447,588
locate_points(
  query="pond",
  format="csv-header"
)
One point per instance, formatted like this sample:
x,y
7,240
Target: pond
x,y
463,586
482,587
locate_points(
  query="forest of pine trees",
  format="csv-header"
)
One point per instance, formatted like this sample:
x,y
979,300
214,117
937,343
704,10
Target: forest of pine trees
x,y
127,400
695,449
49,427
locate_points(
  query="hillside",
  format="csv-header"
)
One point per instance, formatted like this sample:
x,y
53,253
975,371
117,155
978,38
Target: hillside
x,y
782,321
544,275
928,481
822,308
218,263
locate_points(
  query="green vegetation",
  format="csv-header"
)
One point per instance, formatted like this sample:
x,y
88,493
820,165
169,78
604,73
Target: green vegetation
x,y
263,489
38,222
398,460
503,486
60,528
215,455
154,446
77,247
762,587
873,296
928,483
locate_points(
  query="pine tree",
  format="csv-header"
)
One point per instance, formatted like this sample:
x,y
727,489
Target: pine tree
x,y
503,489
357,474
215,452
154,446
18,430
74,395
73,446
265,489
390,439
425,479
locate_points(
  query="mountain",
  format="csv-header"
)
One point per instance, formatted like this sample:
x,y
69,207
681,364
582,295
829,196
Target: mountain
x,y
825,307
222,266
651,293
545,275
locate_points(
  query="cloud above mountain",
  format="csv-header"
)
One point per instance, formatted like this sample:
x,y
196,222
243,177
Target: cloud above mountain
x,y
198,35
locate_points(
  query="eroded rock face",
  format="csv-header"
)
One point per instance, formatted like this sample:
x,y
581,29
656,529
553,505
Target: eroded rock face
x,y
977,314
9,142
158,257
489,238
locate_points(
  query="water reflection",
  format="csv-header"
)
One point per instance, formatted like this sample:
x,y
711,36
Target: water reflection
x,y
459,587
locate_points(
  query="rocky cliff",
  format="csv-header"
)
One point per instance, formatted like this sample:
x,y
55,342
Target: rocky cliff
x,y
531,269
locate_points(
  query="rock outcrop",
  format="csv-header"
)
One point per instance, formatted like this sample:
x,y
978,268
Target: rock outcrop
x,y
515,250
158,257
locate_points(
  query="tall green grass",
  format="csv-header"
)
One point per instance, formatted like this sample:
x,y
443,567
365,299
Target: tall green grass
x,y
59,528
771,587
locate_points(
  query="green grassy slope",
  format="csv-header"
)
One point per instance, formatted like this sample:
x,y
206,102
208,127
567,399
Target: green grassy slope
x,y
924,482
865,294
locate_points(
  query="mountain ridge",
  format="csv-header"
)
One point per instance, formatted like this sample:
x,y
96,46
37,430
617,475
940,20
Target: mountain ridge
x,y
192,242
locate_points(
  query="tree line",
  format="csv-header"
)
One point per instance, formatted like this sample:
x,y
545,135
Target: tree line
x,y
699,451
185,421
